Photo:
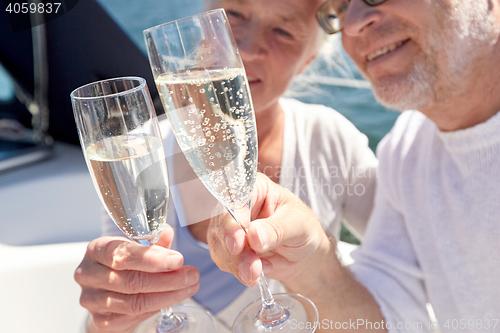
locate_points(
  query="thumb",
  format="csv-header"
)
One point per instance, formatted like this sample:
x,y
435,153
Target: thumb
x,y
166,237
267,234
293,228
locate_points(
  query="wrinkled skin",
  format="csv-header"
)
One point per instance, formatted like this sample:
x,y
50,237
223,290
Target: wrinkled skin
x,y
124,283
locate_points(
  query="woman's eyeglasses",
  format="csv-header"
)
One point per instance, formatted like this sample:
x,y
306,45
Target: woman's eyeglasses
x,y
331,13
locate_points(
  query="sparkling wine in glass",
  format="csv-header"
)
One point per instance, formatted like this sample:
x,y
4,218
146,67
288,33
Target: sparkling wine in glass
x,y
123,148
204,90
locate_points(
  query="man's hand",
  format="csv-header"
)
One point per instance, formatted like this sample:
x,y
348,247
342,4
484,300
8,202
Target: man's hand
x,y
124,283
283,235
288,243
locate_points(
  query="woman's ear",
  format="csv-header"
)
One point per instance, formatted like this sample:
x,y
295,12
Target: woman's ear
x,y
306,63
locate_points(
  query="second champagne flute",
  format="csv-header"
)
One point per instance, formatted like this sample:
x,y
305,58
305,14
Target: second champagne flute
x,y
204,90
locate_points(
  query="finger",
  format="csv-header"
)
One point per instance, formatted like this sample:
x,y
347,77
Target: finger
x,y
260,193
224,230
121,254
134,282
293,226
107,302
278,267
274,213
248,267
245,266
166,237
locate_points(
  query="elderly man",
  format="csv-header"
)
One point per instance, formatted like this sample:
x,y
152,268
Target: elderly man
x,y
433,236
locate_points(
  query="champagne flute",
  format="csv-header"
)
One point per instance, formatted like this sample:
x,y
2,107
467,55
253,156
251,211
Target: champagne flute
x,y
204,90
123,148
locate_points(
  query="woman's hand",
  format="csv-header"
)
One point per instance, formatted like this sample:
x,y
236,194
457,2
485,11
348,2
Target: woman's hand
x,y
124,283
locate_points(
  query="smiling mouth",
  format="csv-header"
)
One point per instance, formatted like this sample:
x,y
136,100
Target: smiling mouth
x,y
385,50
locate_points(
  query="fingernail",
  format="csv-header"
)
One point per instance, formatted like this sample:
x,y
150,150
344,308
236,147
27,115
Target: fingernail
x,y
245,272
231,246
174,260
192,289
192,277
263,236
267,267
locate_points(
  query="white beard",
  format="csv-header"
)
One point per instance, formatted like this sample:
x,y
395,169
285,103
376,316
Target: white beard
x,y
469,30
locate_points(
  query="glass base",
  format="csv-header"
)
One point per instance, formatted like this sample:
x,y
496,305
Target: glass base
x,y
303,316
194,319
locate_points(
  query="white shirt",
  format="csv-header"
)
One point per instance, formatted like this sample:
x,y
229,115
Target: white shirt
x,y
434,234
327,163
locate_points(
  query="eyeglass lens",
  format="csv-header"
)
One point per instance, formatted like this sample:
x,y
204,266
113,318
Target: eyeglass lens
x,y
332,13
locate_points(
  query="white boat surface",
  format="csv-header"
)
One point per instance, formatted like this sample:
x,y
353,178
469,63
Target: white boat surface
x,y
49,213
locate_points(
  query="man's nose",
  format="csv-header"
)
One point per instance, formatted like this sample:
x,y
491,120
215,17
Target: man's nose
x,y
360,17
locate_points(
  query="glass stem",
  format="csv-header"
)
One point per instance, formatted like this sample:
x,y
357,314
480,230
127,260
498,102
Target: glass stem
x,y
169,322
265,293
271,314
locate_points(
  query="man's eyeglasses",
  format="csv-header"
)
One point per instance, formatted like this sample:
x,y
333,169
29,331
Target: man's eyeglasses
x,y
331,13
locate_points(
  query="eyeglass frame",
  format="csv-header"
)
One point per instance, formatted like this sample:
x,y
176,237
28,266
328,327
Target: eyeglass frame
x,y
321,18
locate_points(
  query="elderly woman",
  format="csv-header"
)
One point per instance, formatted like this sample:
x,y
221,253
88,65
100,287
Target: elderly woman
x,y
298,145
